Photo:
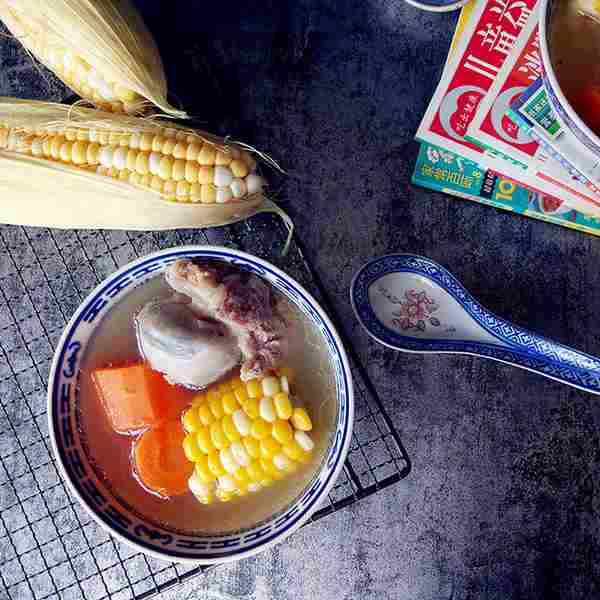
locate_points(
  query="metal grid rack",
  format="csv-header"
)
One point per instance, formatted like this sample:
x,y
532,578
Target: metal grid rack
x,y
49,546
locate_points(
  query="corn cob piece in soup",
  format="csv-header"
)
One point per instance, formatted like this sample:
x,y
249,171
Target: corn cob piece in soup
x,y
242,448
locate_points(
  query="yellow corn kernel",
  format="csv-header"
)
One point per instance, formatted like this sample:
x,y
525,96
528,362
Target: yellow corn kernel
x,y
228,461
254,388
266,409
241,395
92,154
226,483
269,468
204,441
141,163
224,496
166,167
304,440
255,471
192,152
198,399
269,447
242,488
178,172
216,406
196,192
284,463
270,386
190,420
230,429
206,175
168,146
283,405
230,404
282,432
180,150
190,447
130,160
157,143
260,429
66,151
46,147
208,194
223,387
169,189
205,414
293,450
301,420
251,407
203,470
146,140
241,476
191,172
79,152
207,155
252,446
214,464
304,458
205,499
222,158
285,384
183,191
55,145
239,168
157,183
217,435
241,421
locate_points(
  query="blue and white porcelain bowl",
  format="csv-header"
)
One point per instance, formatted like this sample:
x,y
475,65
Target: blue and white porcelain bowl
x,y
96,497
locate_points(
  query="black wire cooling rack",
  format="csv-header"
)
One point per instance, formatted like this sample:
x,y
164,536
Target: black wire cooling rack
x,y
49,546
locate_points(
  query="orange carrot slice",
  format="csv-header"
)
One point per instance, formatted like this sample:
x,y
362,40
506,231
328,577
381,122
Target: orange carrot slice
x,y
160,462
135,396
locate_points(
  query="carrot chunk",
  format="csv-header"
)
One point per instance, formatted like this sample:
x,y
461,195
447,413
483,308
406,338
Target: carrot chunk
x,y
135,396
160,462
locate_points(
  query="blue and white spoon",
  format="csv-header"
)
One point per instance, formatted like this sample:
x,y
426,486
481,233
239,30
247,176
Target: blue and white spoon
x,y
413,304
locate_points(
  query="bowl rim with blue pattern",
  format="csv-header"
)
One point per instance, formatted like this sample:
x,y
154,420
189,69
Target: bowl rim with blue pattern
x,y
124,522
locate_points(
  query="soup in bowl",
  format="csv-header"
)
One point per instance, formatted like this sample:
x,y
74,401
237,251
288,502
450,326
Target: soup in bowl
x,y
569,35
200,404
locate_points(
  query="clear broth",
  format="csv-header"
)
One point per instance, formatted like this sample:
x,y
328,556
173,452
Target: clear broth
x,y
110,453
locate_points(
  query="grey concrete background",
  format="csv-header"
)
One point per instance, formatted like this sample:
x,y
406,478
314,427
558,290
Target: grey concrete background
x,y
502,500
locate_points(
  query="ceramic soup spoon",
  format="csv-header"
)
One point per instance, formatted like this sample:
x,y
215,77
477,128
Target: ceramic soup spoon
x,y
411,303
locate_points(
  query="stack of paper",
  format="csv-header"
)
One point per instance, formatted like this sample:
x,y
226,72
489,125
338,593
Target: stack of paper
x,y
475,142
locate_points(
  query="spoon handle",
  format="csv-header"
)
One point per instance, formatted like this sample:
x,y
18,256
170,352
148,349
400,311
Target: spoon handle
x,y
531,351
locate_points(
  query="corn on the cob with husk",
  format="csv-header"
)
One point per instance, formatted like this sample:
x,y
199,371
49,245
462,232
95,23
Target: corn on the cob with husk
x,y
243,436
100,48
64,166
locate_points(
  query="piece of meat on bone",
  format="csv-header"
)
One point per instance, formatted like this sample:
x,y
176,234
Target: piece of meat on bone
x,y
241,301
188,350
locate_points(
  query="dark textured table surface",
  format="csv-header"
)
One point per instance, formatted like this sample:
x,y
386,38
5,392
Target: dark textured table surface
x,y
502,499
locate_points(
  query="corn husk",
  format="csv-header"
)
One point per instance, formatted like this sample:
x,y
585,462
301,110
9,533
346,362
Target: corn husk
x,y
42,192
109,34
